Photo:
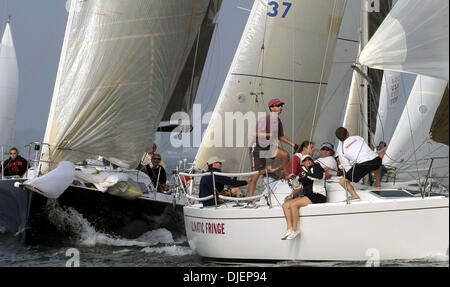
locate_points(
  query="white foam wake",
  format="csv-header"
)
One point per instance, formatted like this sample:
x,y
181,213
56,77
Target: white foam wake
x,y
68,219
173,250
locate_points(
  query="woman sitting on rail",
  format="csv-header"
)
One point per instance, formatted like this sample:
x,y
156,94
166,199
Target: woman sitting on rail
x,y
306,195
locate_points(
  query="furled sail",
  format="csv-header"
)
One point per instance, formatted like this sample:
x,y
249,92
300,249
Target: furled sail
x,y
9,88
285,52
121,64
395,90
411,147
337,90
413,38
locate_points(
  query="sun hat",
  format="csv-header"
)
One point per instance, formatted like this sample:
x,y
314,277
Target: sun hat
x,y
214,159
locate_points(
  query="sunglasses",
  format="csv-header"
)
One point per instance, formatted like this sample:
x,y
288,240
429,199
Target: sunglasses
x,y
156,158
11,153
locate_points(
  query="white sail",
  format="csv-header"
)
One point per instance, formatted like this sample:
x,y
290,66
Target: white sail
x,y
413,38
353,111
394,93
120,65
337,89
285,52
411,146
9,88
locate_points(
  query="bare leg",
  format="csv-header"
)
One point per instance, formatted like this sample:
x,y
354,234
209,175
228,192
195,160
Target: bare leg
x,y
295,210
378,177
252,184
236,192
281,153
345,183
287,214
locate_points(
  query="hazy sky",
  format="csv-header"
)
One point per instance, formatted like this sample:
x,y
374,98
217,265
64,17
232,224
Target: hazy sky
x,y
38,28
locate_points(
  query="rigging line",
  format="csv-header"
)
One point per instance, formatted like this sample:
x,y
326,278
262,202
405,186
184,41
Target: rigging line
x,y
219,65
165,145
407,161
323,70
260,65
184,46
337,87
411,132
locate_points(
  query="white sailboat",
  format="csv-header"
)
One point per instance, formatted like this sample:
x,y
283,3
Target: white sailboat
x,y
125,66
418,43
9,88
389,222
13,204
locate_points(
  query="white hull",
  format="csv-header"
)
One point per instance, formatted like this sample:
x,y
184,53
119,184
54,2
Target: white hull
x,y
374,228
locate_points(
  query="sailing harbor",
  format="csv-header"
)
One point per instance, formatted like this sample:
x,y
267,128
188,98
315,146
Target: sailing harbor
x,y
210,133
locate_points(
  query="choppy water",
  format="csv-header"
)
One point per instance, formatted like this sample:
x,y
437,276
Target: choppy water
x,y
156,248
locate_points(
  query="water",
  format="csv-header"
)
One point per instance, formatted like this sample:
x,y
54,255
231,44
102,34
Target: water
x,y
156,248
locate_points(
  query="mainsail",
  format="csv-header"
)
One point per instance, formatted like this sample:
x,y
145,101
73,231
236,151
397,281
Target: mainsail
x,y
285,52
120,67
337,89
413,38
9,88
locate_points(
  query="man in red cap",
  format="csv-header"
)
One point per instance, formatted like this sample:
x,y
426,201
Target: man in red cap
x,y
269,130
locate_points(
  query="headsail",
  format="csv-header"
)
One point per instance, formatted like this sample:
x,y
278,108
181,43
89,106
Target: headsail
x,y
120,65
285,52
395,90
411,144
353,112
413,38
9,88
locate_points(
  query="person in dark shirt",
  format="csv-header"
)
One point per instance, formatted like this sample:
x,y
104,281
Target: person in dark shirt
x,y
207,185
291,208
15,165
157,173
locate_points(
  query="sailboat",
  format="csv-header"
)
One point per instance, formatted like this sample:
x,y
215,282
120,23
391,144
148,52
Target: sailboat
x,y
274,59
125,67
13,203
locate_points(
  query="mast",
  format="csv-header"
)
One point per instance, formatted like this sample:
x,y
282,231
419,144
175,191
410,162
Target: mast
x,y
364,83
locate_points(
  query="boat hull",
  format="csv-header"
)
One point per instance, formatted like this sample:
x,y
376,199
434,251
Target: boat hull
x,y
392,229
14,207
106,213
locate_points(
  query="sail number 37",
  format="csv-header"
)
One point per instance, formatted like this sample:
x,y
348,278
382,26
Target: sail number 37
x,y
275,6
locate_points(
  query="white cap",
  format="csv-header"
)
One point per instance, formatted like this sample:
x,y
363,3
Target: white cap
x,y
214,159
307,156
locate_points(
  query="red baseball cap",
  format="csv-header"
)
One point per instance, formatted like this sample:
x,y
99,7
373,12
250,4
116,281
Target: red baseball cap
x,y
275,102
